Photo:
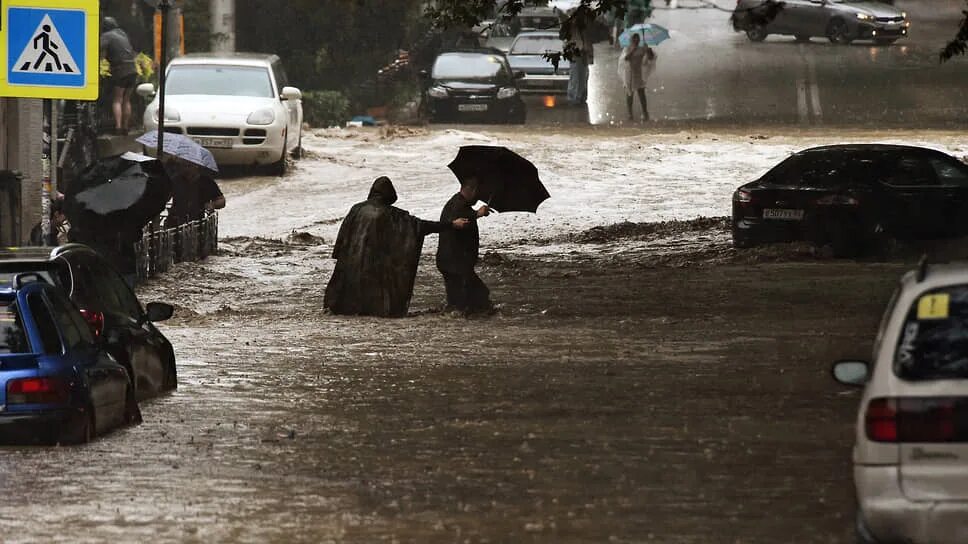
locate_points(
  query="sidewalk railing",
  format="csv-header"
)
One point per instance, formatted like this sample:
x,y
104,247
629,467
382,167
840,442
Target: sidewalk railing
x,y
160,248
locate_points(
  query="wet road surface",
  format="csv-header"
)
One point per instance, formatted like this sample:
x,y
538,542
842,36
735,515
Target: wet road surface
x,y
679,393
708,72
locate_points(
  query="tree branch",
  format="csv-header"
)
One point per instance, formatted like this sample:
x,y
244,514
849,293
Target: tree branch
x,y
959,45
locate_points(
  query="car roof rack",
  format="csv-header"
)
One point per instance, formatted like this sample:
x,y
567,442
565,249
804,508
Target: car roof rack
x,y
922,271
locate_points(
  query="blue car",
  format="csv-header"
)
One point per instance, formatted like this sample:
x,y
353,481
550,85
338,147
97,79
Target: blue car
x,y
57,384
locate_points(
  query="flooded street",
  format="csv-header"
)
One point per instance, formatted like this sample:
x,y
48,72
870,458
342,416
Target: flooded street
x,y
640,383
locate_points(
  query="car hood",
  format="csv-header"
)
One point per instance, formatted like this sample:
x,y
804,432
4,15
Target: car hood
x,y
194,104
535,63
476,86
877,9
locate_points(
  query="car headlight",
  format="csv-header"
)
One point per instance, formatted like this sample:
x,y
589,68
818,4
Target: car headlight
x,y
171,114
437,92
507,92
865,17
265,116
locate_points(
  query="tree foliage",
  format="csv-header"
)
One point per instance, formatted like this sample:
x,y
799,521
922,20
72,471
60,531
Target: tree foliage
x,y
327,44
959,45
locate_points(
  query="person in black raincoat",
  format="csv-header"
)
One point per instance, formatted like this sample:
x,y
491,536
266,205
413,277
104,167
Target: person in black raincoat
x,y
377,251
457,253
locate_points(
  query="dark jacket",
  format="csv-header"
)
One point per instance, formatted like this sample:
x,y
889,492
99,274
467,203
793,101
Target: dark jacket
x,y
116,47
377,252
457,250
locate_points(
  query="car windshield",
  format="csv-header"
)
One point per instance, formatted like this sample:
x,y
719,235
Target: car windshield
x,y
933,343
220,80
535,45
469,66
13,338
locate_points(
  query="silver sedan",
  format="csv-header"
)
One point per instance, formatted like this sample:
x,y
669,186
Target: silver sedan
x,y
841,21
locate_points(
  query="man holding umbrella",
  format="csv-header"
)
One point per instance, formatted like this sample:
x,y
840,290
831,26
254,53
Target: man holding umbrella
x,y
457,252
190,167
507,182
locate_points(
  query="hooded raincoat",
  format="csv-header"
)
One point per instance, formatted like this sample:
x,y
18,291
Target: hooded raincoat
x,y
377,252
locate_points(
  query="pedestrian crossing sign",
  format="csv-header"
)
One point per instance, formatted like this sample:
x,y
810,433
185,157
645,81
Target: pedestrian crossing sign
x,y
49,49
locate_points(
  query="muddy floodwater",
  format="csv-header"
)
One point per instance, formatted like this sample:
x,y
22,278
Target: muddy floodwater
x,y
644,383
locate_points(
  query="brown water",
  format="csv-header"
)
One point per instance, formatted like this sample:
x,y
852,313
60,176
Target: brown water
x,y
608,401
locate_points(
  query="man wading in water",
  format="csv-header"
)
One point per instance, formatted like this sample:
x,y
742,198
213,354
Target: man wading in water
x,y
457,253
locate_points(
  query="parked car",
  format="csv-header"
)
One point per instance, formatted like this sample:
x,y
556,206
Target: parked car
x,y
841,21
110,307
473,85
500,36
851,195
56,383
527,55
237,105
911,437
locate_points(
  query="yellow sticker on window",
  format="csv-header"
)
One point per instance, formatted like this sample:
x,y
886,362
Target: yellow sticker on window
x,y
934,306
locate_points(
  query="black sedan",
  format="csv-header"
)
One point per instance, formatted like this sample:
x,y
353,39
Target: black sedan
x,y
475,86
851,195
109,306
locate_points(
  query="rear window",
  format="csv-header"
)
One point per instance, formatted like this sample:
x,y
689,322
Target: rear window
x,y
13,338
933,344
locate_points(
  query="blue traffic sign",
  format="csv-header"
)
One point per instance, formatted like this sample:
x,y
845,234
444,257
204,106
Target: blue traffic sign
x,y
42,46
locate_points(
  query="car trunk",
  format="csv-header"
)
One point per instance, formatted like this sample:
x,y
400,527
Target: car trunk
x,y
938,471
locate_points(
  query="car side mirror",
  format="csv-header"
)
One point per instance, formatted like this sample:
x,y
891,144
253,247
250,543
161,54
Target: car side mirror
x,y
519,75
291,93
146,90
853,373
424,74
159,311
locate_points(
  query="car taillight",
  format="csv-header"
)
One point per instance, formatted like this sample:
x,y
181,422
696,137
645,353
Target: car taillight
x,y
37,391
911,419
742,196
838,200
95,320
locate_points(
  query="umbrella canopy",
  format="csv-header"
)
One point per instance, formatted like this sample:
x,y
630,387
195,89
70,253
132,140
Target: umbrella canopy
x,y
182,147
507,182
118,193
651,34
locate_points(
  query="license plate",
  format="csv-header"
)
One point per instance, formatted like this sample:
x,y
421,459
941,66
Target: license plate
x,y
785,215
471,107
213,142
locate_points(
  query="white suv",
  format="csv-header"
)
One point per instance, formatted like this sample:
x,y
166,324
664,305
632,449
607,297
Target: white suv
x,y
238,105
911,451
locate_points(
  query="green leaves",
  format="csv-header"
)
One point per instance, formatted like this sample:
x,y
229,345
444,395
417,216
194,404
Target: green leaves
x,y
959,45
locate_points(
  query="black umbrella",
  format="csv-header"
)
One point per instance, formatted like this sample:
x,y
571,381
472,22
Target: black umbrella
x,y
118,193
507,182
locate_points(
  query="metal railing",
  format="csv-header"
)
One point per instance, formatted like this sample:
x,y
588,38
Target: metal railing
x,y
160,248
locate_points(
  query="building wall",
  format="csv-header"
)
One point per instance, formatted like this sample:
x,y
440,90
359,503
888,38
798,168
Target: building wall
x,y
21,123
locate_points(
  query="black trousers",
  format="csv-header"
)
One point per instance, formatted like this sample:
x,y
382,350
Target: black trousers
x,y
466,291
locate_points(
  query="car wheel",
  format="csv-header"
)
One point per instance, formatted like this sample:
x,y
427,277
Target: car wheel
x,y
742,242
132,412
863,534
837,32
757,33
885,41
280,167
171,377
801,38
85,433
298,152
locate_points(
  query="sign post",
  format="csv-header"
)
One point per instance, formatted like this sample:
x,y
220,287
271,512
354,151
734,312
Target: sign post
x,y
49,50
164,6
